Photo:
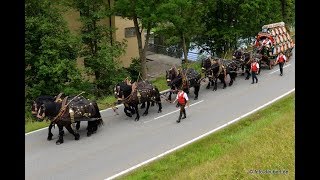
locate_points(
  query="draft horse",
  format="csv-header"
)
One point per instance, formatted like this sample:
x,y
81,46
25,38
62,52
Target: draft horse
x,y
185,79
46,99
131,95
215,69
69,111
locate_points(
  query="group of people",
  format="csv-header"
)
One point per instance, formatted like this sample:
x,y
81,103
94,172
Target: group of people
x,y
281,60
183,99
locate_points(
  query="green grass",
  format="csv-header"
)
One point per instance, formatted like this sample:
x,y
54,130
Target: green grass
x,y
160,83
32,125
262,141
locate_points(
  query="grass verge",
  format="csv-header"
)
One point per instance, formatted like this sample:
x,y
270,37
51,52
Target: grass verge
x,y
260,146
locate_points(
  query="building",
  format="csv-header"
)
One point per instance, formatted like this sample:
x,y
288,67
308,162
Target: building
x,y
124,30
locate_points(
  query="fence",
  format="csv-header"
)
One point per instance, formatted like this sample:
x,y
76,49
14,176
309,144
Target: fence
x,y
172,51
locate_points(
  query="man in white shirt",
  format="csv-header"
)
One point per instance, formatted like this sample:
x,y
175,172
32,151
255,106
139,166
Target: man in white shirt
x,y
183,100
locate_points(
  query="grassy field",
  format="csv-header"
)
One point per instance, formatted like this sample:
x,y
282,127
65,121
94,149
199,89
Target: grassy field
x,y
260,146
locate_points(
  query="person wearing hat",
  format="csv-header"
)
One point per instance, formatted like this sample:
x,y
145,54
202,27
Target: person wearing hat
x,y
281,59
254,70
183,100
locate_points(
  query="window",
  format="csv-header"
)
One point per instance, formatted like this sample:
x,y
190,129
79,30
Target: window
x,y
130,32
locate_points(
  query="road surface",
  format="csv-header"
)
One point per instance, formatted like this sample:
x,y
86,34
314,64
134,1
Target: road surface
x,y
122,143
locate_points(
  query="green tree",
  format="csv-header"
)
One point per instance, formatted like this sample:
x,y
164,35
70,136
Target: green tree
x,y
181,20
99,50
50,51
145,17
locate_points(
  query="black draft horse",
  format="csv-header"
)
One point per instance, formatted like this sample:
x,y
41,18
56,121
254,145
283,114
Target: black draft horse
x,y
36,106
215,69
73,108
185,79
131,95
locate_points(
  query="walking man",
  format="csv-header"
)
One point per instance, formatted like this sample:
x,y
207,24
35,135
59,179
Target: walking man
x,y
183,99
281,59
254,70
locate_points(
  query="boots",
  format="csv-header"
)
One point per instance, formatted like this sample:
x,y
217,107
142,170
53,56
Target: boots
x,y
184,113
179,119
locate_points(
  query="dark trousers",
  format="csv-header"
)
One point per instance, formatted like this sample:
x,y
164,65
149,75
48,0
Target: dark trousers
x,y
182,111
254,76
281,67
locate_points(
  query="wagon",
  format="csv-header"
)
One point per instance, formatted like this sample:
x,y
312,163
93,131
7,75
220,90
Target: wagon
x,y
281,42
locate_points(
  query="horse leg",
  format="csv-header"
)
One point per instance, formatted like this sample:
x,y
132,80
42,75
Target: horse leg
x,y
76,135
248,74
158,100
90,128
137,111
208,86
232,78
196,91
78,125
146,111
49,138
61,133
125,109
215,84
169,98
224,82
242,69
143,105
152,103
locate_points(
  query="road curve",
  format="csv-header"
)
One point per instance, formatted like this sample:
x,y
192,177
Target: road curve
x,y
122,143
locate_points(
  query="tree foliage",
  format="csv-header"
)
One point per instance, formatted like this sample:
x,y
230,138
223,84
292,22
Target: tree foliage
x,y
145,16
50,51
99,50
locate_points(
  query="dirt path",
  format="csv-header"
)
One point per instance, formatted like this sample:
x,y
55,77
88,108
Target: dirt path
x,y
157,64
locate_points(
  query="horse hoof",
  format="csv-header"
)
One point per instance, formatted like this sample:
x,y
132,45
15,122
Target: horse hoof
x,y
59,142
49,138
195,98
159,111
89,134
207,87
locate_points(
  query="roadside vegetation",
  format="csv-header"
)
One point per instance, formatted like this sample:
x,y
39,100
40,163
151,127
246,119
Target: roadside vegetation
x,y
260,146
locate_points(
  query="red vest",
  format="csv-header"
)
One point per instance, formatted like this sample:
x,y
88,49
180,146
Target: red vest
x,y
181,99
254,67
281,59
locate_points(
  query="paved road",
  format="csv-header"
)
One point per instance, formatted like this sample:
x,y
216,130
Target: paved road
x,y
122,143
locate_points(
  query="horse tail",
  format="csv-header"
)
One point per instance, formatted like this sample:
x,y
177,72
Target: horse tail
x,y
97,115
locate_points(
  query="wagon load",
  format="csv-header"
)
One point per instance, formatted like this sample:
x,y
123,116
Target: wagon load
x,y
280,38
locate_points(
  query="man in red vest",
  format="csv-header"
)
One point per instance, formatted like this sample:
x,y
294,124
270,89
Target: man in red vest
x,y
254,70
182,99
281,59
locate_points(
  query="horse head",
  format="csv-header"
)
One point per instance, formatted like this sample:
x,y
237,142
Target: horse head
x,y
121,91
171,75
48,109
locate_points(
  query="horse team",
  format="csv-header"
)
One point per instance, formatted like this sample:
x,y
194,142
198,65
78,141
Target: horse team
x,y
69,111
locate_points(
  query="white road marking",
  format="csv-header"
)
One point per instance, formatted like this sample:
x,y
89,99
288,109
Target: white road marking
x,y
171,112
279,69
197,138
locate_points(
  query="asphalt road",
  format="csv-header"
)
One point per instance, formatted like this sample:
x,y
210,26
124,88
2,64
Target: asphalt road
x,y
122,143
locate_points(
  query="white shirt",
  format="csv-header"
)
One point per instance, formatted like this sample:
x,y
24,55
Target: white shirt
x,y
184,95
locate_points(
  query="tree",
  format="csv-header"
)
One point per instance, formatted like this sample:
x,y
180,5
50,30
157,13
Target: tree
x,y
144,16
181,19
99,50
50,51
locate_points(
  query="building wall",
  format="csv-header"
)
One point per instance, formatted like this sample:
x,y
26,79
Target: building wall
x,y
131,51
132,46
